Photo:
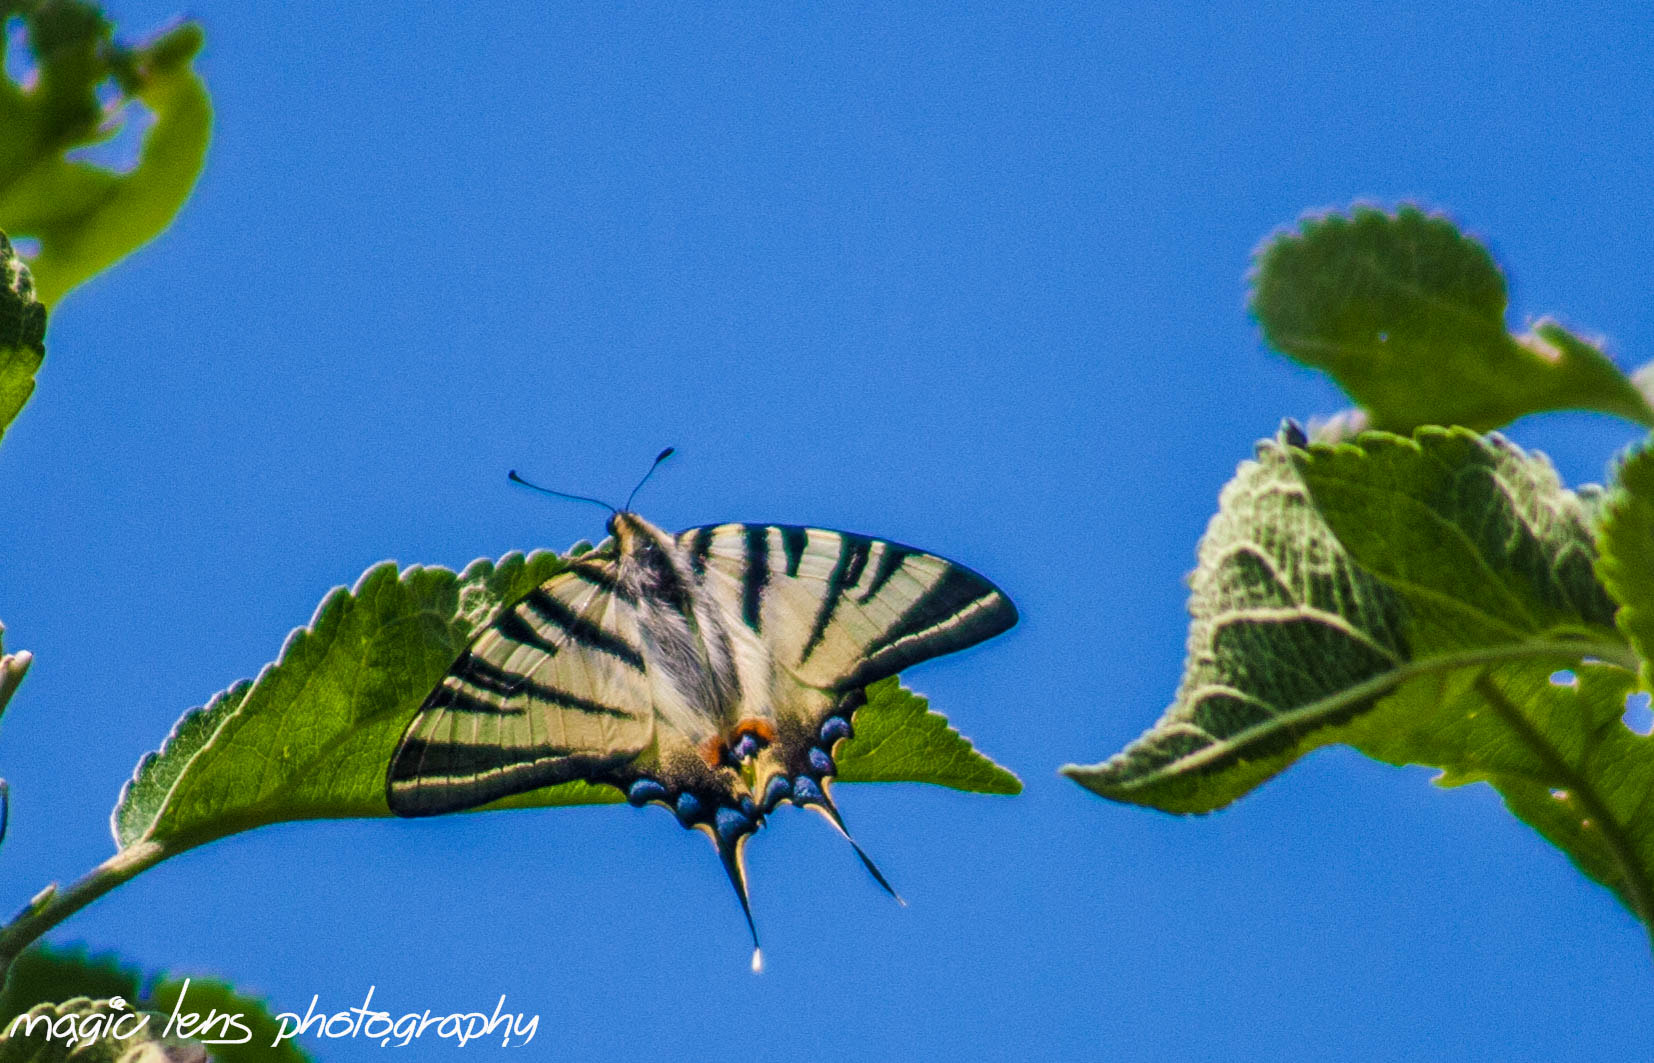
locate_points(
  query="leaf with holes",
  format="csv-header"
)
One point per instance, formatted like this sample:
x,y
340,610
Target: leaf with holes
x,y
1558,752
1356,593
1627,563
1408,315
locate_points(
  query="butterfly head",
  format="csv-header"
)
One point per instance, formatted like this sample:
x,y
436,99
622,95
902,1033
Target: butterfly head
x,y
625,528
635,537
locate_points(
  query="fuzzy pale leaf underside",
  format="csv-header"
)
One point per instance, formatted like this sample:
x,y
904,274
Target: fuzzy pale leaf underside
x,y
1428,600
1332,575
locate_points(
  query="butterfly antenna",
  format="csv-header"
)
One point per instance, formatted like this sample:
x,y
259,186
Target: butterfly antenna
x,y
662,456
826,807
514,478
731,852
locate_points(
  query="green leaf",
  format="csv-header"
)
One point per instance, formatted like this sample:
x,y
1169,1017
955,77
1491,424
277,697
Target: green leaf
x,y
47,974
1407,314
898,739
1627,563
43,976
1335,576
86,216
22,334
1556,749
312,736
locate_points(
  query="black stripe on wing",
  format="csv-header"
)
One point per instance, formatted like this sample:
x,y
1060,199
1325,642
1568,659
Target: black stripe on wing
x,y
793,541
700,545
432,778
578,628
852,558
756,574
890,561
471,673
604,578
447,697
477,672
511,625
960,609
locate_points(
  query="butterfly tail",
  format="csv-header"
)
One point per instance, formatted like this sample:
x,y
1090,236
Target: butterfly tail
x,y
818,798
731,847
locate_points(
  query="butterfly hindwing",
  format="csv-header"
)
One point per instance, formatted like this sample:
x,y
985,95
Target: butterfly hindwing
x,y
833,612
554,689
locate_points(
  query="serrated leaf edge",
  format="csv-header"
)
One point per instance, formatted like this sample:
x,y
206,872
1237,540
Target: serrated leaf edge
x,y
333,600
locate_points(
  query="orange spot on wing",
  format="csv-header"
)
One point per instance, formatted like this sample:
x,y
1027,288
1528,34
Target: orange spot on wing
x,y
762,728
712,751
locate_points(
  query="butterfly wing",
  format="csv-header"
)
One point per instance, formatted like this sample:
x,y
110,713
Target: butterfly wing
x,y
838,611
790,622
554,689
833,612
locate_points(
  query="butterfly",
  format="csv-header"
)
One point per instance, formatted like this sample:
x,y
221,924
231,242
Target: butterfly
x,y
712,671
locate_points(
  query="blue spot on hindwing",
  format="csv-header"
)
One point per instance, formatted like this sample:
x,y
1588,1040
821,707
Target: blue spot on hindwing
x,y
820,762
806,789
644,791
746,746
731,823
834,728
777,790
690,808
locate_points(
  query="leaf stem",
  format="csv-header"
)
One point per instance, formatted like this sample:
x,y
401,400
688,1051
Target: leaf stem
x,y
53,906
1639,890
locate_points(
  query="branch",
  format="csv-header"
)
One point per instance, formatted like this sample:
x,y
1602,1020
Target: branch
x,y
51,906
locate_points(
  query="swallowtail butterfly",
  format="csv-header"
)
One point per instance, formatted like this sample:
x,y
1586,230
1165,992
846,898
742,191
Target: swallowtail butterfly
x,y
712,672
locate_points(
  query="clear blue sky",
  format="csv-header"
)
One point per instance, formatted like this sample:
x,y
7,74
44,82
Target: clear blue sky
x,y
968,279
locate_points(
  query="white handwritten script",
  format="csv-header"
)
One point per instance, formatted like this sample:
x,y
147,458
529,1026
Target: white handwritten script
x,y
363,1021
214,1027
83,1027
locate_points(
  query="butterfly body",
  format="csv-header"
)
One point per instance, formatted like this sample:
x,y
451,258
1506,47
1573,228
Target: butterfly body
x,y
712,672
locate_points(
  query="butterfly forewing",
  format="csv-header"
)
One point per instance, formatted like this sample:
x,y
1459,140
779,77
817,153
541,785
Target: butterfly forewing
x,y
838,611
554,689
